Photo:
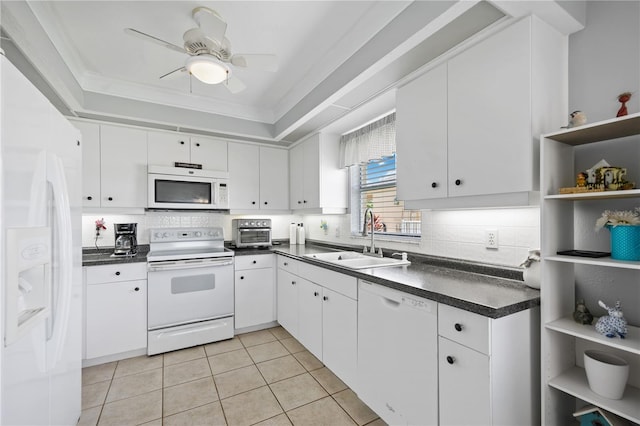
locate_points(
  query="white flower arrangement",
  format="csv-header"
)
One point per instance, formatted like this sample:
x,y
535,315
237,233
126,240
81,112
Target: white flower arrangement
x,y
618,217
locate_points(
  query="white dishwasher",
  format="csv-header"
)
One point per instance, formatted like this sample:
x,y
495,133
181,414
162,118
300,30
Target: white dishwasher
x,y
398,355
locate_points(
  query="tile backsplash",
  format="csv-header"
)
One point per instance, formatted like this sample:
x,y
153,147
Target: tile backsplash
x,y
457,234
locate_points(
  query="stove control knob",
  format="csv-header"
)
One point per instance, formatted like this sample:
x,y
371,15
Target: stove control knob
x,y
253,223
264,223
165,235
198,234
211,234
158,235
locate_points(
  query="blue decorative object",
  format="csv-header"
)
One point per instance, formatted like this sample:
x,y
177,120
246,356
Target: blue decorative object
x,y
613,324
625,242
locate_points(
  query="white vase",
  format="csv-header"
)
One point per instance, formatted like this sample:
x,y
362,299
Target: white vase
x,y
531,275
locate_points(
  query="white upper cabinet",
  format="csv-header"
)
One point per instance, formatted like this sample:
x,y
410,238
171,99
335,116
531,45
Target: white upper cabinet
x,y
421,137
123,172
489,115
90,163
165,149
468,129
258,177
316,182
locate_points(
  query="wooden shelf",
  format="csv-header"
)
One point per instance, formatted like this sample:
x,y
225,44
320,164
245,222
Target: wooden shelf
x,y
599,261
568,326
602,195
614,128
574,382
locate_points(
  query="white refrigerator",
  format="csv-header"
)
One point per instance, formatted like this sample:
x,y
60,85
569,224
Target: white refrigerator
x,y
40,258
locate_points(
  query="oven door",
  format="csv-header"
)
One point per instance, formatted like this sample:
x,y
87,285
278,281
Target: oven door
x,y
253,237
185,291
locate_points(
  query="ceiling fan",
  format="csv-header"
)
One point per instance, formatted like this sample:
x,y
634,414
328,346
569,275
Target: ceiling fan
x,y
210,52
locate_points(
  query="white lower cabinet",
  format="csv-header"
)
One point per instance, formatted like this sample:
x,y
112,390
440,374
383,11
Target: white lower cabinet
x,y
397,355
254,290
319,308
288,301
116,309
489,368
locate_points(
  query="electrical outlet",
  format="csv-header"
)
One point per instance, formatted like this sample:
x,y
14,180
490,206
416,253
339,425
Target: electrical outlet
x,y
491,238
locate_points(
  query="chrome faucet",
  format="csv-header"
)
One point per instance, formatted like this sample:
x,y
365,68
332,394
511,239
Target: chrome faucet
x,y
372,249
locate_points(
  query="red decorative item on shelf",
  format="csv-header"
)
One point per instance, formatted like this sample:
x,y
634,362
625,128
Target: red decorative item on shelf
x,y
623,98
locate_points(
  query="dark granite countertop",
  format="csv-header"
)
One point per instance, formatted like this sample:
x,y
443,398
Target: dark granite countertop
x,y
487,290
463,285
97,257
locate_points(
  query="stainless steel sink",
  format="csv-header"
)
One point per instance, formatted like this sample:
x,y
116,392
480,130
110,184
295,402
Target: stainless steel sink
x,y
355,260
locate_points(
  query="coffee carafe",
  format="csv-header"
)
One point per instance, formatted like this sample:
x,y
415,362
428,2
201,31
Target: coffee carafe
x,y
126,242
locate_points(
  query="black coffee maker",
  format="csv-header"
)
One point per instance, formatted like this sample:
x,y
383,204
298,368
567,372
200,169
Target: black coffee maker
x,y
126,241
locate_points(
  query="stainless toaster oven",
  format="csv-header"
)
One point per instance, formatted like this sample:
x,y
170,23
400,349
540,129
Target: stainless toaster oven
x,y
251,232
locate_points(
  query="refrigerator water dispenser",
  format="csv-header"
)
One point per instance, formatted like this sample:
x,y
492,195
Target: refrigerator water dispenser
x,y
28,269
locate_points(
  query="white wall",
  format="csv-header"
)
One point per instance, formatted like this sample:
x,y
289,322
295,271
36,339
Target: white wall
x,y
604,59
457,234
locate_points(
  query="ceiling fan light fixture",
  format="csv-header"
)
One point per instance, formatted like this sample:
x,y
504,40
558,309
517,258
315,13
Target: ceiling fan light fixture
x,y
207,68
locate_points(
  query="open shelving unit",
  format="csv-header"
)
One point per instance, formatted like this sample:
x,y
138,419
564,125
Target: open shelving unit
x,y
564,382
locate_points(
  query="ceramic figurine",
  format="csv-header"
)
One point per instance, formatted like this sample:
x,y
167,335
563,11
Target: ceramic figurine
x,y
576,118
613,324
581,180
582,315
623,98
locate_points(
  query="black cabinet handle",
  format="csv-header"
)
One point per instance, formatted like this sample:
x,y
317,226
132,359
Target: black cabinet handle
x,y
254,262
325,298
136,289
110,198
181,142
293,283
253,202
299,202
265,203
89,198
117,272
451,359
285,264
242,278
434,185
315,293
304,201
197,144
458,327
458,182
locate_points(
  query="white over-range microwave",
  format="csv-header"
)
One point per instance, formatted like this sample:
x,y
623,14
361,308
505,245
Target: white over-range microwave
x,y
186,188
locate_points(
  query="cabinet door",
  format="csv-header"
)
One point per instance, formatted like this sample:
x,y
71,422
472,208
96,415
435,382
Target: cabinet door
x,y
311,173
254,297
123,174
340,335
296,175
490,142
211,153
116,318
421,137
244,176
90,163
165,149
288,301
274,179
465,397
310,317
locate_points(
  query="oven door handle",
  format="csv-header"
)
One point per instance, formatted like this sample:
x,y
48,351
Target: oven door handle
x,y
173,265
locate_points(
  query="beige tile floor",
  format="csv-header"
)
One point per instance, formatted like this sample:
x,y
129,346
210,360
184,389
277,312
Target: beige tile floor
x,y
265,377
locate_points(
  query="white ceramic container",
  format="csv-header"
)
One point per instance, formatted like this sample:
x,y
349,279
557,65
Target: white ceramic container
x,y
606,373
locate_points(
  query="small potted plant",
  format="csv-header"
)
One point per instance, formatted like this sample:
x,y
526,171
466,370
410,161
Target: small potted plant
x,y
625,232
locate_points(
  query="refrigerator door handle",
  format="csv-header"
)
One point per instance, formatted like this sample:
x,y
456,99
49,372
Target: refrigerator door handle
x,y
64,250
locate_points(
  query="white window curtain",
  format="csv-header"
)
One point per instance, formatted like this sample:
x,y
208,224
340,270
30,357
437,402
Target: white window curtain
x,y
370,142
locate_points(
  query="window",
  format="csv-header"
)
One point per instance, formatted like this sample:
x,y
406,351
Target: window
x,y
376,186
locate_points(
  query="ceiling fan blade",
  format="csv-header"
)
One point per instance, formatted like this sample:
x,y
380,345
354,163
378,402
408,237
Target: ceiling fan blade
x,y
153,39
174,72
263,62
211,24
234,84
